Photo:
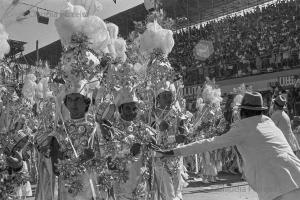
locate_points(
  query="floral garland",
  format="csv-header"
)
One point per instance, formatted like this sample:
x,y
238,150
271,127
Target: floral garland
x,y
113,167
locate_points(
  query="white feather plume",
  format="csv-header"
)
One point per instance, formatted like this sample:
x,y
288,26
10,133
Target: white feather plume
x,y
74,19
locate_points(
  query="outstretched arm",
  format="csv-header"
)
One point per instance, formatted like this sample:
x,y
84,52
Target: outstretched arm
x,y
232,137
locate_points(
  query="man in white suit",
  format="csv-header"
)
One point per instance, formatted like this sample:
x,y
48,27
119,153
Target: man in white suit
x,y
270,166
283,122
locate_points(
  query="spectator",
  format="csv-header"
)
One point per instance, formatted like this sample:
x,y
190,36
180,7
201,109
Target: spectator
x,y
264,40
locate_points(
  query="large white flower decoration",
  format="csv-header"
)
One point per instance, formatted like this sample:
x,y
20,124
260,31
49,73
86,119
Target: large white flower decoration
x,y
155,37
74,19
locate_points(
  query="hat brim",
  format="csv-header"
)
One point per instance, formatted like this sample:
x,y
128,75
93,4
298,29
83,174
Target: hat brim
x,y
254,108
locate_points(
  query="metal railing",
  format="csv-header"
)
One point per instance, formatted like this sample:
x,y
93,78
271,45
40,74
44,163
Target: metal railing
x,y
238,69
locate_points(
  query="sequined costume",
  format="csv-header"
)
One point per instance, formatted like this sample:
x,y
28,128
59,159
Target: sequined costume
x,y
132,150
166,179
76,176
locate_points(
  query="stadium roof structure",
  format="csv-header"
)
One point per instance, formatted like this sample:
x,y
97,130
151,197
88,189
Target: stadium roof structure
x,y
15,47
194,11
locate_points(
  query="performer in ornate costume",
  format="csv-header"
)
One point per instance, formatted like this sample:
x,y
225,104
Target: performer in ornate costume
x,y
74,143
136,138
165,121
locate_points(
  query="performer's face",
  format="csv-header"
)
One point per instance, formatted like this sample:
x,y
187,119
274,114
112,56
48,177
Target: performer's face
x,y
77,105
164,100
129,111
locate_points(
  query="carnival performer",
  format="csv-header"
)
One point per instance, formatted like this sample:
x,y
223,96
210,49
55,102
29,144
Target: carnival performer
x,y
237,160
132,150
65,150
14,138
166,171
77,150
283,122
81,36
208,124
271,167
14,177
47,148
181,139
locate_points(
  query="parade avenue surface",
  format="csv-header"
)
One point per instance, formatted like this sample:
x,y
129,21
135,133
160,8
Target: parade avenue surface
x,y
229,187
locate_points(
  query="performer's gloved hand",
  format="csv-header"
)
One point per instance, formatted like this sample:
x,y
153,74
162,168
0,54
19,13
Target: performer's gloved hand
x,y
15,161
180,138
106,129
162,153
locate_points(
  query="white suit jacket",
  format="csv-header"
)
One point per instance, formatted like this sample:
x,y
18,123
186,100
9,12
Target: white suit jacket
x,y
283,122
271,168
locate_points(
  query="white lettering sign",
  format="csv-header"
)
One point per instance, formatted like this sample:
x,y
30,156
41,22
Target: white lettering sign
x,y
191,91
285,81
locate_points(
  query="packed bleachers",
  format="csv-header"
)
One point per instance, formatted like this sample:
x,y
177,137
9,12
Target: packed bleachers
x,y
261,41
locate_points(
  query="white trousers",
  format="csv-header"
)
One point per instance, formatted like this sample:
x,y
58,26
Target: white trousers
x,y
293,195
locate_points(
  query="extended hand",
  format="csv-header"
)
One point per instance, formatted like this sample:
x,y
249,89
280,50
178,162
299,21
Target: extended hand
x,y
162,153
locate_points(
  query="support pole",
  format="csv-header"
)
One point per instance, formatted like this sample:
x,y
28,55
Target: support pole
x,y
37,52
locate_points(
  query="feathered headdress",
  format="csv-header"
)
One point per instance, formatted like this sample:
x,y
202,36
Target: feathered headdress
x,y
84,37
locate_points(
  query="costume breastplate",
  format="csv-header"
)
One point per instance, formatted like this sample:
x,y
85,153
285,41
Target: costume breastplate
x,y
140,132
79,132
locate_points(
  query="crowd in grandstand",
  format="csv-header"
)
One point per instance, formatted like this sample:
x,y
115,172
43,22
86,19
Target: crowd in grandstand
x,y
264,40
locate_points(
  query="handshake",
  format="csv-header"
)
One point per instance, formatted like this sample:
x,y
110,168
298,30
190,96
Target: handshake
x,y
160,153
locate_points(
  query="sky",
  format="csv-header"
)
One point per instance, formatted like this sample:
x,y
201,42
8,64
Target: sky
x,y
29,30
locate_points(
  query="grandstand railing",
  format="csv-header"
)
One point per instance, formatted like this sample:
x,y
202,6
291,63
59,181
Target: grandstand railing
x,y
238,69
221,10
